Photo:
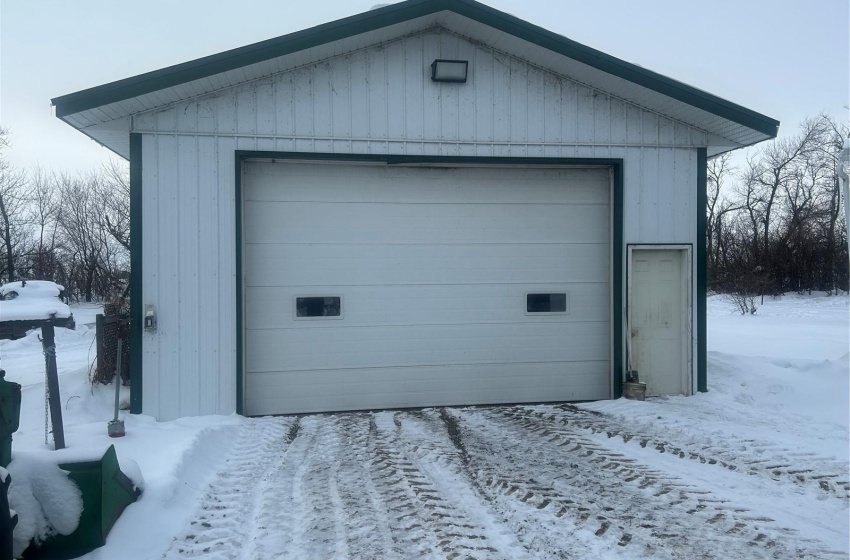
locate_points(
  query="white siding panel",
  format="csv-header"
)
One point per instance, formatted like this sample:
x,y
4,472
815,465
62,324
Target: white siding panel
x,y
187,287
284,106
151,394
358,93
659,195
226,304
206,116
414,88
168,327
501,99
209,349
466,100
266,119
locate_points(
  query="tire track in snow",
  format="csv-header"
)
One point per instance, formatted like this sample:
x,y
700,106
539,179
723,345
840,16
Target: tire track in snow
x,y
707,522
299,516
227,507
617,497
516,482
323,503
423,497
774,463
435,446
280,520
366,514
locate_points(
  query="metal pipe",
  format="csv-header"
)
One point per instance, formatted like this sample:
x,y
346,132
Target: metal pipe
x,y
117,379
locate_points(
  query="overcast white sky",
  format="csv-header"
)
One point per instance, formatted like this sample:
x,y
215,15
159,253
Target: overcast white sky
x,y
787,59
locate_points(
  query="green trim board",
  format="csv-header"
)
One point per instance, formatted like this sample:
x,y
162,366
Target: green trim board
x,y
617,292
400,13
702,272
136,259
617,241
240,299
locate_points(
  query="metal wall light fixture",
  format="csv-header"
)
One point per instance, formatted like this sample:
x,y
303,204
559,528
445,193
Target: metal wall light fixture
x,y
449,70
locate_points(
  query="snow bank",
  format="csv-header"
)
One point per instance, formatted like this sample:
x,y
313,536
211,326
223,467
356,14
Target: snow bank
x,y
171,461
792,326
131,468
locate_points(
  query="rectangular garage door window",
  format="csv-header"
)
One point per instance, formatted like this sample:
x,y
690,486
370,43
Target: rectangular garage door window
x,y
314,307
546,303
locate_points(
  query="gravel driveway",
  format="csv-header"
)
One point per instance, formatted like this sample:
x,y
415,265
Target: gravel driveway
x,y
495,483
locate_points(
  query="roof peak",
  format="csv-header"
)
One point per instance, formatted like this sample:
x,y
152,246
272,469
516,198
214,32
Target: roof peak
x,y
396,14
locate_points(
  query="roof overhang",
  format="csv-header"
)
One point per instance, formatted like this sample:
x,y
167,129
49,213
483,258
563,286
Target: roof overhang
x,y
104,112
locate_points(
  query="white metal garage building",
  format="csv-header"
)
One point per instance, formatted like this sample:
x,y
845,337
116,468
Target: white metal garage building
x,y
324,221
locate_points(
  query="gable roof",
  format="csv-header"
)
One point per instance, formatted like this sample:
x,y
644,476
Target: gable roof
x,y
102,112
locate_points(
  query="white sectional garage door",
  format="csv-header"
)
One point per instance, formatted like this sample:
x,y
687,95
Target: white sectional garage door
x,y
372,286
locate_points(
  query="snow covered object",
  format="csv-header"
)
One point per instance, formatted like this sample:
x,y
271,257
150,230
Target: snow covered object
x,y
24,304
8,516
68,502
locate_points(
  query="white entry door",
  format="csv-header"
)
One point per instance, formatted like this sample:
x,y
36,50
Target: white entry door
x,y
658,319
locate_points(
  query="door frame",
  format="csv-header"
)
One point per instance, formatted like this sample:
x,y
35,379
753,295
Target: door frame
x,y
617,340
687,342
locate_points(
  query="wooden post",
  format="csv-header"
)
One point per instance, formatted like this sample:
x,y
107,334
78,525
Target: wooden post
x,y
48,342
100,333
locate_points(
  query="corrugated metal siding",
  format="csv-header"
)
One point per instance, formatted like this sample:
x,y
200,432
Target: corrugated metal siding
x,y
726,134
189,274
376,100
384,94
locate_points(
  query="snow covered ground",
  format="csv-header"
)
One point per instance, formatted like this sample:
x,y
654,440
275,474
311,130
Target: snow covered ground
x,y
756,468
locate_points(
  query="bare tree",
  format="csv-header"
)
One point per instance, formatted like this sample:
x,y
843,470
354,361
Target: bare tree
x,y
83,237
769,173
779,226
44,215
14,235
113,196
720,171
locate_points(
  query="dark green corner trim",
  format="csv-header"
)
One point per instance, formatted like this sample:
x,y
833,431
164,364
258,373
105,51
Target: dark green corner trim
x,y
136,307
618,279
240,297
618,289
702,292
399,13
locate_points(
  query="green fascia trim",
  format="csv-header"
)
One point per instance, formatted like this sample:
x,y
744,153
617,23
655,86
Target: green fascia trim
x,y
240,298
398,13
617,308
702,276
136,307
618,280
244,56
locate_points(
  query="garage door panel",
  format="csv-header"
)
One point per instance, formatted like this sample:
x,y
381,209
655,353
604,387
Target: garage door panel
x,y
326,390
313,222
332,183
273,307
415,345
307,265
433,267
